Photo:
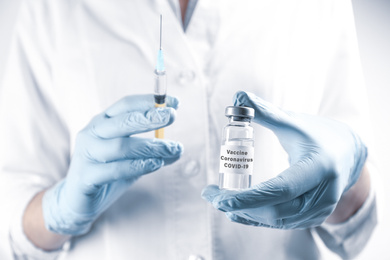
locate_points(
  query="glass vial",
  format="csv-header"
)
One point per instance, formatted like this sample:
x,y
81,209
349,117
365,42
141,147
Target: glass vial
x,y
237,149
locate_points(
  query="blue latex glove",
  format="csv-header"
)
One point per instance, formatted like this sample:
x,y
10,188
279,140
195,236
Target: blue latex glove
x,y
107,159
325,157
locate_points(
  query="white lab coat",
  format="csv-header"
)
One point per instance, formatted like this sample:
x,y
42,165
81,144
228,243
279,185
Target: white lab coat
x,y
71,59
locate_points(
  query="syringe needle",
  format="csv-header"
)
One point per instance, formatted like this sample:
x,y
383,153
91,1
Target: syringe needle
x,y
160,30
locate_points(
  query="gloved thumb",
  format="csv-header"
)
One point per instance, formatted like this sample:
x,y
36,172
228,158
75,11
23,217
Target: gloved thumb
x,y
266,114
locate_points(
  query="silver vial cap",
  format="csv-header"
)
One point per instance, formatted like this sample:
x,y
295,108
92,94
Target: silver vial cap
x,y
239,111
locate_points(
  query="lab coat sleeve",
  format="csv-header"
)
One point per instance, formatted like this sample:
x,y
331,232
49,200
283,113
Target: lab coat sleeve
x,y
345,99
349,238
34,152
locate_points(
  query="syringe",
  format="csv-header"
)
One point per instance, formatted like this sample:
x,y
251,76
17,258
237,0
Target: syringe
x,y
160,87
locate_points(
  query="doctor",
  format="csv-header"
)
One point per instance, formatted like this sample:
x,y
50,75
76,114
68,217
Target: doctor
x,y
77,140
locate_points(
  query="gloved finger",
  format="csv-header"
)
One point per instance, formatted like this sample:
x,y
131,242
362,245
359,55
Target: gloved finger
x,y
312,208
138,103
210,192
131,123
274,215
124,148
283,210
265,217
288,223
315,219
324,196
241,220
246,221
104,173
290,184
316,206
266,113
170,160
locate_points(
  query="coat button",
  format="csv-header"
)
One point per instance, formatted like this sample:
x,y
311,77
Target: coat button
x,y
195,257
191,169
186,76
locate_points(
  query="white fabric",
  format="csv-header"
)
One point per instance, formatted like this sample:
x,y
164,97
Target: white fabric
x,y
71,59
339,236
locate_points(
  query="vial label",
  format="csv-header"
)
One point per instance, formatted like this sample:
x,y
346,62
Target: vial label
x,y
236,159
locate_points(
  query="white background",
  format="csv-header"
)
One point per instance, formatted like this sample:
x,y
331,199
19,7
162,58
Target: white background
x,y
373,30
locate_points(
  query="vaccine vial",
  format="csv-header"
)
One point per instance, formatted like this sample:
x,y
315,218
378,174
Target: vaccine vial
x,y
237,149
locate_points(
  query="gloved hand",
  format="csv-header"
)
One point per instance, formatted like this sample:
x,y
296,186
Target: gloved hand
x,y
325,158
107,159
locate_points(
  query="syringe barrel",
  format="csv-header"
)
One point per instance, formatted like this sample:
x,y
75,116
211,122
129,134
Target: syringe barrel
x,y
160,86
